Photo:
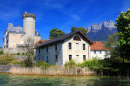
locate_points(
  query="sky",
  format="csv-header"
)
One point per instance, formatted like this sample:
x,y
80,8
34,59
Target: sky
x,y
61,14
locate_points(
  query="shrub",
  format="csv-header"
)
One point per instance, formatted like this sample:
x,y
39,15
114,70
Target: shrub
x,y
71,63
41,63
18,53
2,52
8,59
22,53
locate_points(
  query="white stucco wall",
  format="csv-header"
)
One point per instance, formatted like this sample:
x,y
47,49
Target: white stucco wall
x,y
98,54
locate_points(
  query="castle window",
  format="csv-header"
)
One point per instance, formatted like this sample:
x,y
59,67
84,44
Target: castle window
x,y
39,50
70,57
56,58
13,42
70,46
17,30
13,36
83,46
21,36
77,38
47,59
55,46
47,49
100,51
84,57
94,51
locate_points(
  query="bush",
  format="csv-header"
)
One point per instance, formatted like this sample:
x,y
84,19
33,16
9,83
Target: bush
x,y
71,63
41,63
22,53
18,53
2,52
7,59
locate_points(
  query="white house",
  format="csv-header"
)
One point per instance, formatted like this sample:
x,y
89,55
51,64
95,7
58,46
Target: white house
x,y
62,49
98,49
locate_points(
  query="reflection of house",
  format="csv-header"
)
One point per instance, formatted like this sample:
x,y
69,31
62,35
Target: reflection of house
x,y
62,49
98,49
16,36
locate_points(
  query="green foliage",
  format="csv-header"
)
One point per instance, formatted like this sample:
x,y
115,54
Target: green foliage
x,y
7,59
2,52
42,64
18,53
55,33
123,27
22,53
28,62
71,63
112,41
82,29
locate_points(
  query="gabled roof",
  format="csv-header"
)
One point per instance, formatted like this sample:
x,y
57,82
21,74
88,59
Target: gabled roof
x,y
61,38
41,41
37,33
98,46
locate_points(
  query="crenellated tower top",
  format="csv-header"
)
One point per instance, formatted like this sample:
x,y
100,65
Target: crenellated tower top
x,y
26,14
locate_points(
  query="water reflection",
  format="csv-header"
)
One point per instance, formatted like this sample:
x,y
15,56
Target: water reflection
x,y
20,80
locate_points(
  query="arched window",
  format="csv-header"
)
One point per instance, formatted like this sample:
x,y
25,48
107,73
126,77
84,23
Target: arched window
x,y
77,38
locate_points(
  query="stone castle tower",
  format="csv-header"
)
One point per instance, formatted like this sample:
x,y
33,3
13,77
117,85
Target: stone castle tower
x,y
29,25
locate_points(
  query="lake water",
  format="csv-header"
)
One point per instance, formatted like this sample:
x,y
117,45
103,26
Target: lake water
x,y
24,80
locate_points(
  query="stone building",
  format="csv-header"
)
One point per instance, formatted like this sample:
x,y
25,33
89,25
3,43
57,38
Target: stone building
x,y
16,37
60,50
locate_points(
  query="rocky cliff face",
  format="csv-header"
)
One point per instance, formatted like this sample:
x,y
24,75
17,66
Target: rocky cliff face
x,y
99,32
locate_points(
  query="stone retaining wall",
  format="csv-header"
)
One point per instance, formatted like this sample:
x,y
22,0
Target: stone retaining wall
x,y
5,68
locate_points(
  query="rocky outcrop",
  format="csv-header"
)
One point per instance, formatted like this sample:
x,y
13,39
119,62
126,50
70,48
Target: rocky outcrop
x,y
99,32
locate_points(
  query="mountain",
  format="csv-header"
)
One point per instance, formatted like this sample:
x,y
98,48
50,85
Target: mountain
x,y
100,32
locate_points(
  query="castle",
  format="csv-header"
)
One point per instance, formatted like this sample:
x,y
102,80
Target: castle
x,y
16,37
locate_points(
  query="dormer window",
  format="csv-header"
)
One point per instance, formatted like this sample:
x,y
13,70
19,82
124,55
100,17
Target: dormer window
x,y
37,33
17,30
77,38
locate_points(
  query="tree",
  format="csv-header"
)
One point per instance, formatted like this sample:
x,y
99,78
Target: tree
x,y
28,48
123,27
82,29
112,44
55,33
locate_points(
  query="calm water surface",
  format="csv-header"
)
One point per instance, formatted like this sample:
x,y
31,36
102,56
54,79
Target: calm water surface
x,y
22,80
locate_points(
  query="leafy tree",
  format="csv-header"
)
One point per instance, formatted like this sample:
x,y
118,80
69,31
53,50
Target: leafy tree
x,y
82,29
112,41
123,27
55,33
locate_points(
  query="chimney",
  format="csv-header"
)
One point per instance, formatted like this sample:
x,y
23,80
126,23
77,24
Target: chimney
x,y
18,25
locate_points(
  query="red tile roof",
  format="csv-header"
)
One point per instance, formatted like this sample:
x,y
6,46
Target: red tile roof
x,y
97,45
41,41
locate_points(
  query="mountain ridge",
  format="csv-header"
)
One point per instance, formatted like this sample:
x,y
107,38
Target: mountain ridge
x,y
100,32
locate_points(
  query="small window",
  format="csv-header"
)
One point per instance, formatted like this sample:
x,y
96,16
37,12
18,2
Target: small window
x,y
94,51
83,46
47,59
39,50
56,58
70,57
36,38
84,57
47,49
77,38
100,51
21,36
13,42
70,46
55,46
13,36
